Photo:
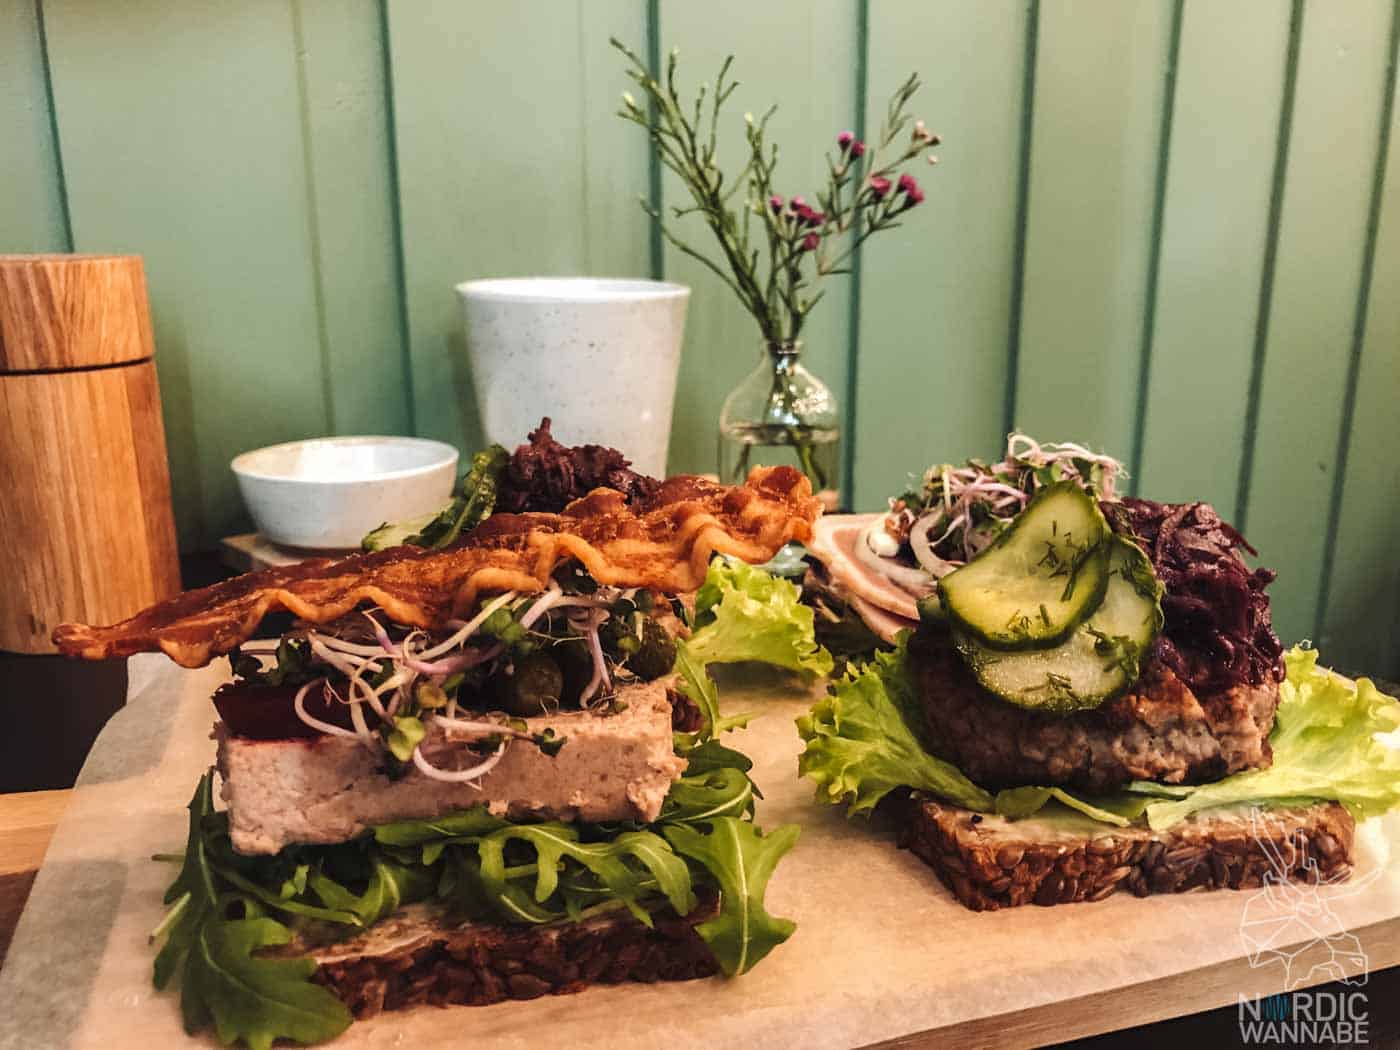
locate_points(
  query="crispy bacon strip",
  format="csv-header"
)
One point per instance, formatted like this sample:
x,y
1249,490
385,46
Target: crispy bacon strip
x,y
664,543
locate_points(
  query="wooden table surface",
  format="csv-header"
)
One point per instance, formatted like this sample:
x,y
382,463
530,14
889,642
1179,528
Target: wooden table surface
x,y
27,821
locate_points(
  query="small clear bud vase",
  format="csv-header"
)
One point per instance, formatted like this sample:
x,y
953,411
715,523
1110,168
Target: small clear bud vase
x,y
782,415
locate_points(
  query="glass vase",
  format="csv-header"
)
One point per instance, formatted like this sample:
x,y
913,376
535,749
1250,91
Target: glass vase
x,y
781,414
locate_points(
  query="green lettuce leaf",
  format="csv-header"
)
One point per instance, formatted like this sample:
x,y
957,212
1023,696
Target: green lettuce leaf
x,y
742,613
1325,747
861,744
697,684
252,999
1151,787
741,859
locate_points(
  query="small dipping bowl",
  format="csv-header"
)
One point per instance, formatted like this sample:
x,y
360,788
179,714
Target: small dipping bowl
x,y
326,493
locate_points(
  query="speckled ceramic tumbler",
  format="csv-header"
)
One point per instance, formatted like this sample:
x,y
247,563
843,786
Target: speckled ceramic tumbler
x,y
598,356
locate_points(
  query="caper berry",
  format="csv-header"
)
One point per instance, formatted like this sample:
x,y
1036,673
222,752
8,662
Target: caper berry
x,y
533,688
657,654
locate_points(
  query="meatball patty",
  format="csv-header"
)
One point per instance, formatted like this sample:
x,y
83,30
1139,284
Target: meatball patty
x,y
1158,730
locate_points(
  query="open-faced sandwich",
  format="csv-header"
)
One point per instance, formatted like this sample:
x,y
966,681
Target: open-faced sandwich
x,y
1069,692
487,769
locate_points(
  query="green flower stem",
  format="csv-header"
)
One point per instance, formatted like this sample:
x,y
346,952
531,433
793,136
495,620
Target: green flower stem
x,y
772,279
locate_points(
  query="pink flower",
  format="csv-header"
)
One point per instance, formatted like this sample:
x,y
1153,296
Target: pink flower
x,y
912,194
845,139
857,148
814,218
880,186
776,203
810,242
797,204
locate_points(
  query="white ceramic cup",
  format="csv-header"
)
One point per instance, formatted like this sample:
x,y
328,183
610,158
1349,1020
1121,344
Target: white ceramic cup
x,y
599,356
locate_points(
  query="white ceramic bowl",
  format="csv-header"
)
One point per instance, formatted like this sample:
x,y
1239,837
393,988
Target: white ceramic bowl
x,y
327,493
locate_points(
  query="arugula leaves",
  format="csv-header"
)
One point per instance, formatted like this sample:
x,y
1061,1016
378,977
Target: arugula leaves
x,y
254,999
294,664
719,792
221,980
470,862
471,504
741,859
613,878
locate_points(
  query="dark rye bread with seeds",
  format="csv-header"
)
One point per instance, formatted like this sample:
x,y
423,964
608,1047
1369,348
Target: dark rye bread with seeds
x,y
1061,858
419,957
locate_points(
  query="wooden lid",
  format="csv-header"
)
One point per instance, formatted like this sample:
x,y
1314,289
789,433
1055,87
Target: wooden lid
x,y
60,312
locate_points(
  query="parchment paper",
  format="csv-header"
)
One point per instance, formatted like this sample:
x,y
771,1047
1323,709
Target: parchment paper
x,y
881,949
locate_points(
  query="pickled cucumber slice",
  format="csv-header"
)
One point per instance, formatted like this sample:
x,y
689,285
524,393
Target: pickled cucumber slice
x,y
1101,658
1038,580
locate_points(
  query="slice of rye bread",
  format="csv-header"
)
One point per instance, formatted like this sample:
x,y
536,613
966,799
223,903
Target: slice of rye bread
x,y
1062,857
415,956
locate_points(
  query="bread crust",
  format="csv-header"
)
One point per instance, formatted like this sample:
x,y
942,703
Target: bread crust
x,y
990,863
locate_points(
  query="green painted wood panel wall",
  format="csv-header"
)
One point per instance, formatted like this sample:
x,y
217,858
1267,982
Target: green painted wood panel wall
x,y
1169,228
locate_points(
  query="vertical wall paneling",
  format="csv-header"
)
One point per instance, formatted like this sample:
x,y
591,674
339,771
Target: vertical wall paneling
x,y
802,59
1215,227
349,195
1166,228
1342,63
1361,598
1099,81
510,162
861,87
934,294
31,186
208,182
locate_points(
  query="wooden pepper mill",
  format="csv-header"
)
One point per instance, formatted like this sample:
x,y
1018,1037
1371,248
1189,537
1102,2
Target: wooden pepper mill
x,y
86,528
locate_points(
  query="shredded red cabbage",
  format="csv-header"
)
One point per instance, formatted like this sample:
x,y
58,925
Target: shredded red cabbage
x,y
1219,631
545,475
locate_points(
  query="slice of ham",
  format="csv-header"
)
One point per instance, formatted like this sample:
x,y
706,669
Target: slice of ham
x,y
885,624
833,542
